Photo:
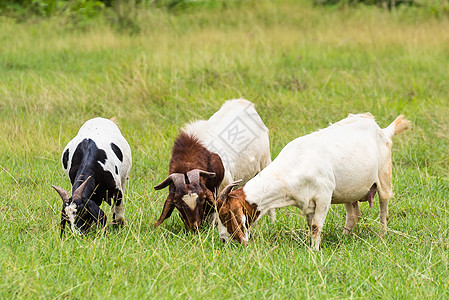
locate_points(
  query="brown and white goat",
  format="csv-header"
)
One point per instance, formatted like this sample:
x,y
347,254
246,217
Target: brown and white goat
x,y
345,163
208,155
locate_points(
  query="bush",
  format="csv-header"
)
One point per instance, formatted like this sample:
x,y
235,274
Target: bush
x,y
436,8
382,3
47,8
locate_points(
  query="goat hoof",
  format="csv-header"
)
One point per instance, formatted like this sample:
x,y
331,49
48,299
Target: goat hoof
x,y
118,223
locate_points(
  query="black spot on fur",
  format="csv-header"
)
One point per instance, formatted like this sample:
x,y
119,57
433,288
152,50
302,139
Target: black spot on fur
x,y
101,156
116,170
65,158
119,198
117,151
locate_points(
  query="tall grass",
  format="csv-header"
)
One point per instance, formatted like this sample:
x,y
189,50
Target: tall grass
x,y
304,67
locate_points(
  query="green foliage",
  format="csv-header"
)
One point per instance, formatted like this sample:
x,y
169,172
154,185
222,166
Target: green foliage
x,y
183,5
384,3
75,9
124,14
436,8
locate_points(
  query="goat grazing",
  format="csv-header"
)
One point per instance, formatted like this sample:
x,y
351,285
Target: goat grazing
x,y
97,162
345,163
208,155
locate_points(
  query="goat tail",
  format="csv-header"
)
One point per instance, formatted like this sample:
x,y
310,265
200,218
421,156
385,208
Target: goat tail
x,y
115,120
399,125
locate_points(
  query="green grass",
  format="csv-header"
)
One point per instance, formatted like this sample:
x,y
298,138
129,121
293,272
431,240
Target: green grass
x,y
304,67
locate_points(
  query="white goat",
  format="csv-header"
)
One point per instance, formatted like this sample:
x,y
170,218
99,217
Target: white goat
x,y
345,163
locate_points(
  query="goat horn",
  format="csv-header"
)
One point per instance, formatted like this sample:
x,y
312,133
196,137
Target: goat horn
x,y
194,175
63,193
78,193
224,193
177,178
207,174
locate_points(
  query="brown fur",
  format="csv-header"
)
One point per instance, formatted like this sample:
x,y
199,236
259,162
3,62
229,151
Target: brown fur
x,y
188,153
231,210
251,211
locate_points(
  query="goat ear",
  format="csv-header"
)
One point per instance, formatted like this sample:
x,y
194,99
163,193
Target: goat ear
x,y
96,213
177,178
163,184
224,193
210,196
63,193
63,222
166,211
212,199
78,193
238,234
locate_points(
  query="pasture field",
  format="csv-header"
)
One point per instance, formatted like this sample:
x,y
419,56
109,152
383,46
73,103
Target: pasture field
x,y
304,67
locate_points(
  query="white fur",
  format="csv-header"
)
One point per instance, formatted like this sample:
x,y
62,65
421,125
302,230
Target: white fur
x,y
244,154
70,211
338,164
224,235
246,232
104,132
190,200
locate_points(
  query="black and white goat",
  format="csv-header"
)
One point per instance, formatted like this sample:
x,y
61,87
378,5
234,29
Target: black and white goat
x,y
97,162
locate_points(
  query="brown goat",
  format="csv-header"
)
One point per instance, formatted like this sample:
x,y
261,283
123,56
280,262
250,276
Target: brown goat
x,y
195,174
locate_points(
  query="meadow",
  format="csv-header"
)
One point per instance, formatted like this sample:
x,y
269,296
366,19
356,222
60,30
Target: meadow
x,y
304,67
